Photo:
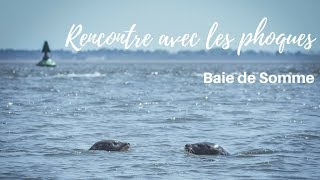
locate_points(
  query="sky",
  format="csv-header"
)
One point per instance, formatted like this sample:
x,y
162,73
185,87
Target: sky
x,y
26,24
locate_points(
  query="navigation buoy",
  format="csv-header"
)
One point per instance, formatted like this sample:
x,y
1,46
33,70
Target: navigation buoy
x,y
46,60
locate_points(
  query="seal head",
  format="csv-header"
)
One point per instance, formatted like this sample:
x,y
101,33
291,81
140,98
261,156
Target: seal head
x,y
205,148
110,145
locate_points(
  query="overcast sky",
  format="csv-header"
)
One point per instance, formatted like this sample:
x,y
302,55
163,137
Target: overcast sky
x,y
26,24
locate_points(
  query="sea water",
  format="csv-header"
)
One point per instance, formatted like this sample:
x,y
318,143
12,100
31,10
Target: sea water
x,y
50,117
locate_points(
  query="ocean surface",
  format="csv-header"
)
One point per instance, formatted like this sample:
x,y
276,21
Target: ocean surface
x,y
50,117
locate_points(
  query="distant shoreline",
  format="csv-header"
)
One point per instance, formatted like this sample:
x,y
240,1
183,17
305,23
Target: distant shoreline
x,y
115,54
88,61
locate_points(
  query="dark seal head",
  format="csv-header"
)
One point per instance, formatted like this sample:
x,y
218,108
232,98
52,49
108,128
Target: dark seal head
x,y
110,145
205,148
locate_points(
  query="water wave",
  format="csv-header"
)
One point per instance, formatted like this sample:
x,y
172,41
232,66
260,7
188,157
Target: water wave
x,y
87,75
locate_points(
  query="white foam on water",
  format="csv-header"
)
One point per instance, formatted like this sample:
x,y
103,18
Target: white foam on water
x,y
89,75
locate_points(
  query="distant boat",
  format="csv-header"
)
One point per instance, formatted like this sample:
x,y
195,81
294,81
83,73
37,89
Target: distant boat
x,y
46,60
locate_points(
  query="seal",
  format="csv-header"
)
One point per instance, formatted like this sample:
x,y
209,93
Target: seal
x,y
110,145
205,148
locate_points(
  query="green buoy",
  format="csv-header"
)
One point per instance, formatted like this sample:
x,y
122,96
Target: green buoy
x,y
46,60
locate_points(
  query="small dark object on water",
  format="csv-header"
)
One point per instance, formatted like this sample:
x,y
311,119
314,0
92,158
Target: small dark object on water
x,y
45,50
110,145
205,148
46,60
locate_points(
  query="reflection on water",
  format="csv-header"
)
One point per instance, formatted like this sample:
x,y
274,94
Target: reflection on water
x,y
50,117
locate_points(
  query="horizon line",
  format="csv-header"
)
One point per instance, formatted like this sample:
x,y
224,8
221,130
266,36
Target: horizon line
x,y
306,52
